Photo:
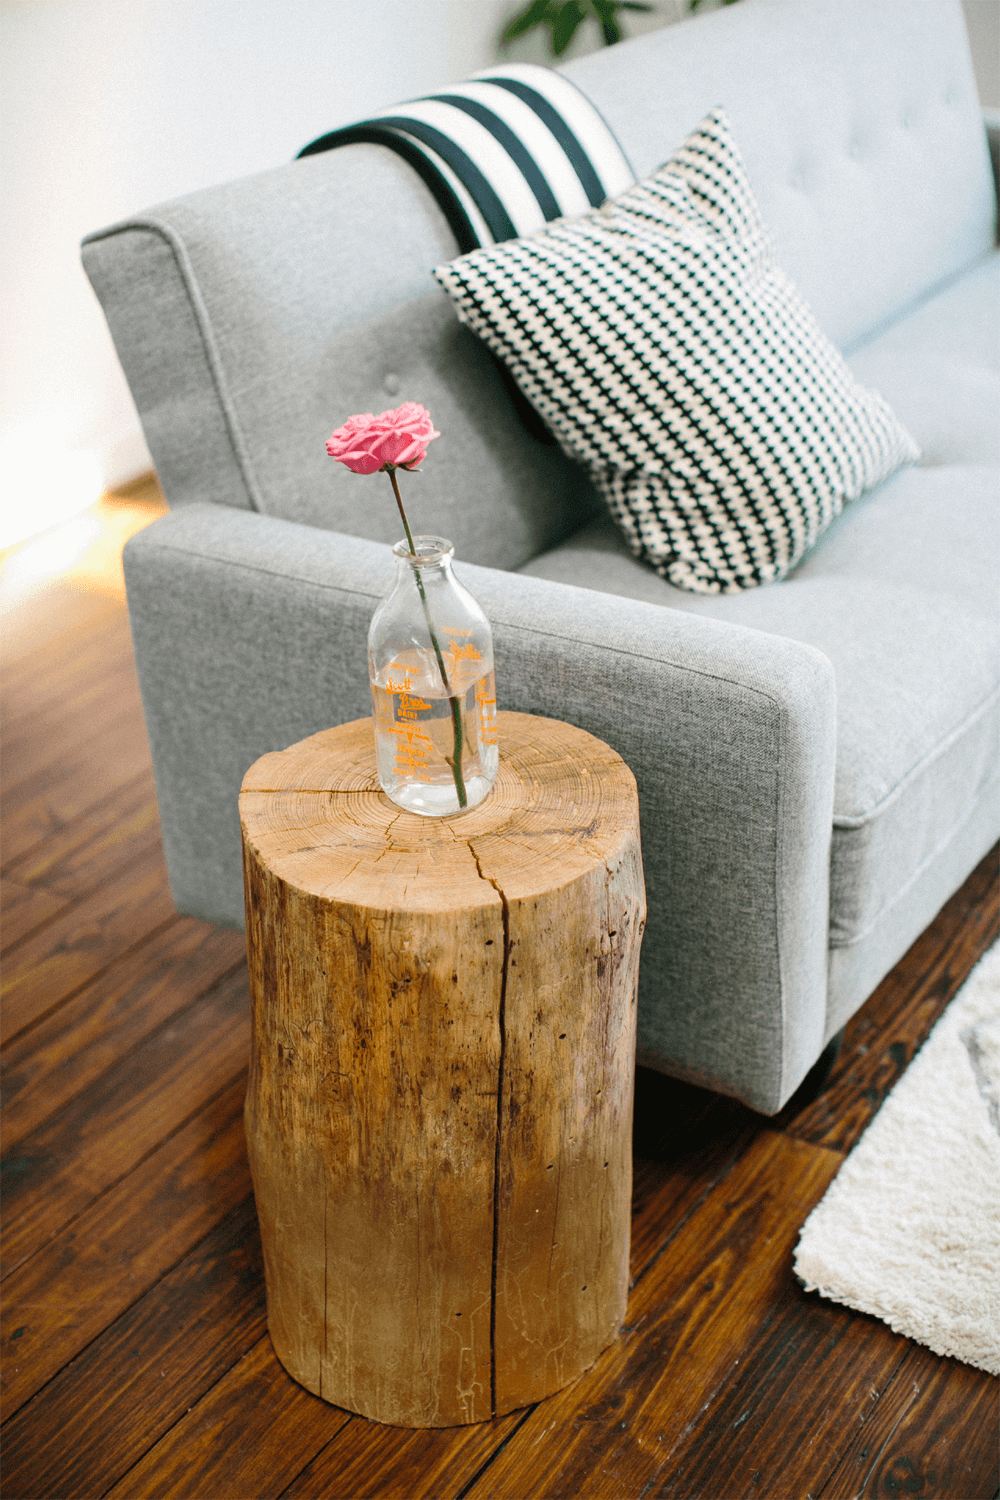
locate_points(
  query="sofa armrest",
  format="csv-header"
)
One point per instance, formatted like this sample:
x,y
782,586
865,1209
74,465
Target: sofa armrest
x,y
251,633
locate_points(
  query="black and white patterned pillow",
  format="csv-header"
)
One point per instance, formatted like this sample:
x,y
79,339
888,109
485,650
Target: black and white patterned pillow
x,y
669,354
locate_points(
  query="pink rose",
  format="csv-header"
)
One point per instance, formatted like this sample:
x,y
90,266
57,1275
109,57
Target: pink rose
x,y
392,440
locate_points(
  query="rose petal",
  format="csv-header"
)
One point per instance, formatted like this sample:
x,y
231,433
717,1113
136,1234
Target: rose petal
x,y
398,437
359,460
397,448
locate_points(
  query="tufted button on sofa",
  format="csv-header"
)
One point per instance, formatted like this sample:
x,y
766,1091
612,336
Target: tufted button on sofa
x,y
816,759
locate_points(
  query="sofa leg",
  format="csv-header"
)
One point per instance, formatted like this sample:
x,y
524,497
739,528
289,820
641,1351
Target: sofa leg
x,y
818,1076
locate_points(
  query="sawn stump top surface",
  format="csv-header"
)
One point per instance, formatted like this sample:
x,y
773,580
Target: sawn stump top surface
x,y
564,802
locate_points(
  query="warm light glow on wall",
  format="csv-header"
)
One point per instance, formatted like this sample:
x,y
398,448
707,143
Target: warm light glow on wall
x,y
39,490
56,551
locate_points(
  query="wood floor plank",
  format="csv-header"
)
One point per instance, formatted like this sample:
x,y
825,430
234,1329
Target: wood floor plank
x,y
854,1366
75,857
86,660
101,1134
46,1067
83,554
368,1461
23,908
26,695
103,1411
57,621
739,1445
253,1432
59,664
109,762
691,1319
25,705
70,951
34,752
926,1437
74,861
684,1139
882,1038
78,1284
84,746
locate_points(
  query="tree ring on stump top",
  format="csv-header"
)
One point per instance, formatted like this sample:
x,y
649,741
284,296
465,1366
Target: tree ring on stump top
x,y
564,802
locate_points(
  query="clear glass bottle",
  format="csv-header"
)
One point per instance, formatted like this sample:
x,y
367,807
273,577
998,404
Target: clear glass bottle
x,y
430,659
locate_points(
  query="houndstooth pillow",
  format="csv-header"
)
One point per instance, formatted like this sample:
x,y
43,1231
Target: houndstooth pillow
x,y
670,355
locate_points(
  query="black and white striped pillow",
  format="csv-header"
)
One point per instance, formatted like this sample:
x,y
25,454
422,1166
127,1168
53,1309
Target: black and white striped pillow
x,y
670,355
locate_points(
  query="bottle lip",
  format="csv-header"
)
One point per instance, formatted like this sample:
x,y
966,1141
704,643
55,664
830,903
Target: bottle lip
x,y
429,550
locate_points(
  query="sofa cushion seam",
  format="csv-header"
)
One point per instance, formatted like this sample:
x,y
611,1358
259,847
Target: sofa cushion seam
x,y
844,821
942,844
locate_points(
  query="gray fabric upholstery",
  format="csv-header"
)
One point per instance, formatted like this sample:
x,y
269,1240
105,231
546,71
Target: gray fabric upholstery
x,y
281,310
901,596
938,366
250,633
813,758
914,645
860,126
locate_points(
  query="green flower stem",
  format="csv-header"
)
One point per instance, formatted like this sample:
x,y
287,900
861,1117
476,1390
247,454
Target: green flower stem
x,y
455,761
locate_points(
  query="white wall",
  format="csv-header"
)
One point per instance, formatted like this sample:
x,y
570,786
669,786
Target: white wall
x,y
110,106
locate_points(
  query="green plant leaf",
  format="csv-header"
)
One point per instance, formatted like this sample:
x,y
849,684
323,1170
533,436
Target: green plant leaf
x,y
564,26
535,14
604,10
564,16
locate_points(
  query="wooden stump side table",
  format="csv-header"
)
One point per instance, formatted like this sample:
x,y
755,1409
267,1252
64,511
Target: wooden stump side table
x,y
440,1101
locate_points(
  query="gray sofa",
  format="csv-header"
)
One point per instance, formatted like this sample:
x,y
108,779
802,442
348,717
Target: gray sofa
x,y
816,760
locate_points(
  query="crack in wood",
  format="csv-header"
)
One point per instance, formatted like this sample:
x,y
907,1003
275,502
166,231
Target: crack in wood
x,y
502,1023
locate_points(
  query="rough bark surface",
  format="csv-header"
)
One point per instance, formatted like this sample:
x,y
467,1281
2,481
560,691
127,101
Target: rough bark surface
x,y
440,1100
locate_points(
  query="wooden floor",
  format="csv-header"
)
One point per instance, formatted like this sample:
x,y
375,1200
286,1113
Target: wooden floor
x,y
136,1356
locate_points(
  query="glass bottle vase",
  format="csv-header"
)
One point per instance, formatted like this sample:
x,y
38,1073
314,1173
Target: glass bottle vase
x,y
430,660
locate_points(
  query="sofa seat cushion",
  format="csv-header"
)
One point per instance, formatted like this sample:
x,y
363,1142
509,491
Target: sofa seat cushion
x,y
901,594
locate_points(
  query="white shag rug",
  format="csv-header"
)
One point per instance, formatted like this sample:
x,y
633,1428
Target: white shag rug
x,y
909,1229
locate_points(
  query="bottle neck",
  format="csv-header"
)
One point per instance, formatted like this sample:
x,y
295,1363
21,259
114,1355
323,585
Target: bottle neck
x,y
433,555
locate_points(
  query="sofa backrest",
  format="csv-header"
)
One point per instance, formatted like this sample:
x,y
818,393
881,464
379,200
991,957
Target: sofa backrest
x,y
253,318
860,125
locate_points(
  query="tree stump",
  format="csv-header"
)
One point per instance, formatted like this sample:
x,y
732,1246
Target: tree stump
x,y
440,1101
